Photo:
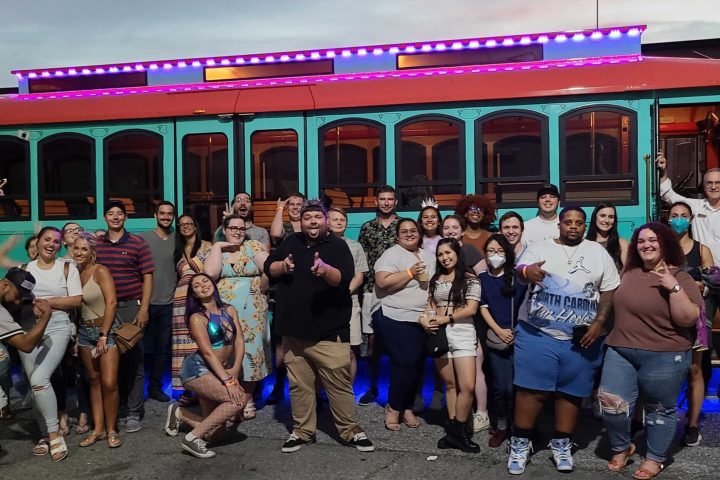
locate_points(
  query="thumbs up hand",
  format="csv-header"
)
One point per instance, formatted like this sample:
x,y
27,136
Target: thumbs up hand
x,y
288,264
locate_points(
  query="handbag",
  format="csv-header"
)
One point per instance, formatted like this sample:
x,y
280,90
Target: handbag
x,y
493,341
437,343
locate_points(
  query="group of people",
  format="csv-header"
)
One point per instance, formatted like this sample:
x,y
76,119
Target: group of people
x,y
541,307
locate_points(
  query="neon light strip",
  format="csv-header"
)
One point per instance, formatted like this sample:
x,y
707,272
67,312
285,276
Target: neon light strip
x,y
309,55
310,80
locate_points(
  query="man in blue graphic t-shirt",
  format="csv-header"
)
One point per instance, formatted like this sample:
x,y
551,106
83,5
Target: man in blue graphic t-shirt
x,y
558,347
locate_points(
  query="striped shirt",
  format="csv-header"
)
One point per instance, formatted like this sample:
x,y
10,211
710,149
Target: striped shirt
x,y
128,260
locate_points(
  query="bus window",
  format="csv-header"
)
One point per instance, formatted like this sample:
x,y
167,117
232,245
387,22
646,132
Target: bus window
x,y
66,167
352,163
512,157
134,171
274,170
205,179
15,173
430,161
598,155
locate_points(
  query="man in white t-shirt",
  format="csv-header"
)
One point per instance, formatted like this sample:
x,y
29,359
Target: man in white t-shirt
x,y
557,348
545,225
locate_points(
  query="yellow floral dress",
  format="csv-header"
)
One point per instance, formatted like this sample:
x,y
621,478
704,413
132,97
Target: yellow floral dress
x,y
239,285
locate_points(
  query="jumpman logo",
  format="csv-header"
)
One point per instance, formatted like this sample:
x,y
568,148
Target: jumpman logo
x,y
579,266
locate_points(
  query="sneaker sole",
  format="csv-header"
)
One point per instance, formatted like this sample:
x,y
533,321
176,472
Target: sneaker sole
x,y
197,454
133,430
170,414
695,443
292,449
365,449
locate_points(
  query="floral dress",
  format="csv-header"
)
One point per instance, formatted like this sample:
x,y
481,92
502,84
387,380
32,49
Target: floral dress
x,y
239,285
182,344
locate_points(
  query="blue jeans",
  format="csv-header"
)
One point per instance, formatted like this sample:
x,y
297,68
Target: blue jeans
x,y
655,376
157,343
5,382
405,344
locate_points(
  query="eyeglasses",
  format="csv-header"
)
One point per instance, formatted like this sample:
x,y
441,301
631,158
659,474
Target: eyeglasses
x,y
74,230
186,224
710,183
495,252
475,209
235,229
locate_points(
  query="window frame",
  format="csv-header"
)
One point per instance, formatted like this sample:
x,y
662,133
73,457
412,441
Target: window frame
x,y
633,149
26,150
462,153
161,161
382,161
544,153
252,191
41,176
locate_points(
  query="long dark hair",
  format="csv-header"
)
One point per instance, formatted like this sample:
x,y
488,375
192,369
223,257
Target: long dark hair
x,y
613,241
180,240
462,273
438,229
508,288
194,305
672,252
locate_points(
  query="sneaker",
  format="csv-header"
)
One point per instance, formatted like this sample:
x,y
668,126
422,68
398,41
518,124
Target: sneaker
x,y
481,421
361,442
436,403
692,436
520,450
171,422
368,398
133,424
197,447
158,395
418,405
562,454
498,438
295,443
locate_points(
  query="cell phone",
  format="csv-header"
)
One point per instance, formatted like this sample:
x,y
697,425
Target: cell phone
x,y
578,333
94,352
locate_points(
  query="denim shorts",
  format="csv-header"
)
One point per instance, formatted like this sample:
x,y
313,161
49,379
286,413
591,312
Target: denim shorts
x,y
547,364
193,367
88,336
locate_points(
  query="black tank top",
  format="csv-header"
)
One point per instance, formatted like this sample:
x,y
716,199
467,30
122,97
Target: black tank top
x,y
693,261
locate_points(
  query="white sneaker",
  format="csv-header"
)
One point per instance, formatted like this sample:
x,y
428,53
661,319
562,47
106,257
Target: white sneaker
x,y
562,454
481,421
197,447
520,450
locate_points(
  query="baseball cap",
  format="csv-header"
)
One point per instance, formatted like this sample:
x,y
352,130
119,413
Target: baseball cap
x,y
23,281
113,204
548,188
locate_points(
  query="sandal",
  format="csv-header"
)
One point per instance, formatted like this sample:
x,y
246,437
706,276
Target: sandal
x,y
42,447
410,419
58,447
390,425
643,473
82,426
113,440
249,411
92,439
617,465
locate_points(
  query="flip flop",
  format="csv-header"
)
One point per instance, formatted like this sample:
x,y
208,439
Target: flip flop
x,y
92,439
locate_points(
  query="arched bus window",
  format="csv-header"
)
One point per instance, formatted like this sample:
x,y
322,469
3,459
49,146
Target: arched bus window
x,y
133,170
351,162
205,179
598,155
274,170
66,167
15,168
511,158
430,160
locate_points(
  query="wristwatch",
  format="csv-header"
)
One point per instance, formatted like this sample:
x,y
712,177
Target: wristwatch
x,y
101,334
676,288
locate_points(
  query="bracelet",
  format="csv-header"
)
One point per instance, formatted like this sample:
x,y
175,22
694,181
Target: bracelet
x,y
226,379
409,273
230,382
279,209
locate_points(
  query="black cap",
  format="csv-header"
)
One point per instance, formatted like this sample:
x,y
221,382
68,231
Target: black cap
x,y
113,204
548,188
23,281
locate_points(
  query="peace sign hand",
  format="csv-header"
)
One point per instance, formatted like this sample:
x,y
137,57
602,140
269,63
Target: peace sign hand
x,y
228,211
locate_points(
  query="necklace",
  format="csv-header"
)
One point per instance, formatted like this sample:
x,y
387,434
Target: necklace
x,y
569,257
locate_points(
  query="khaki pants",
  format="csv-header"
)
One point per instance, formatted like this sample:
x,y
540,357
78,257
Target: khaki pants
x,y
331,362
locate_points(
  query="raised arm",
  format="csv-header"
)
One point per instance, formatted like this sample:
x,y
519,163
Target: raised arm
x,y
276,227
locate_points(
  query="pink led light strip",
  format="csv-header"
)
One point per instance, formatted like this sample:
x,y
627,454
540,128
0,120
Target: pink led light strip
x,y
309,80
310,55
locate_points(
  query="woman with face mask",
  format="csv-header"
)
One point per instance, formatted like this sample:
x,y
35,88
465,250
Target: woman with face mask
x,y
697,256
499,305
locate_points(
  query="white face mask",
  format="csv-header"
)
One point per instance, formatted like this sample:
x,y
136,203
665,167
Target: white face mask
x,y
496,261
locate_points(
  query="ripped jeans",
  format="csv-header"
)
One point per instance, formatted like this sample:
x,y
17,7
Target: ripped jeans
x,y
657,377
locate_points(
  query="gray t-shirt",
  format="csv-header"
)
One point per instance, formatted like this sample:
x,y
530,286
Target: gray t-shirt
x,y
164,276
8,327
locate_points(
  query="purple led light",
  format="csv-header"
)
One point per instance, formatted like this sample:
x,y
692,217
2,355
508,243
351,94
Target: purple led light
x,y
181,64
330,54
560,38
578,37
86,71
377,51
410,49
440,47
491,43
543,39
615,33
596,35
426,47
362,52
269,59
315,55
210,62
346,53
508,42
457,46
196,63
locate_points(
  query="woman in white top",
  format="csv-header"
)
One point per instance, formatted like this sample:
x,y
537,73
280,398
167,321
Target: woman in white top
x,y
402,277
59,283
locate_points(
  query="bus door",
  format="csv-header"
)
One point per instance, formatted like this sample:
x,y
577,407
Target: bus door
x,y
205,170
274,162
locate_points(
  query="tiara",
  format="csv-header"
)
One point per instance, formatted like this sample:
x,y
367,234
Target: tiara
x,y
429,202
